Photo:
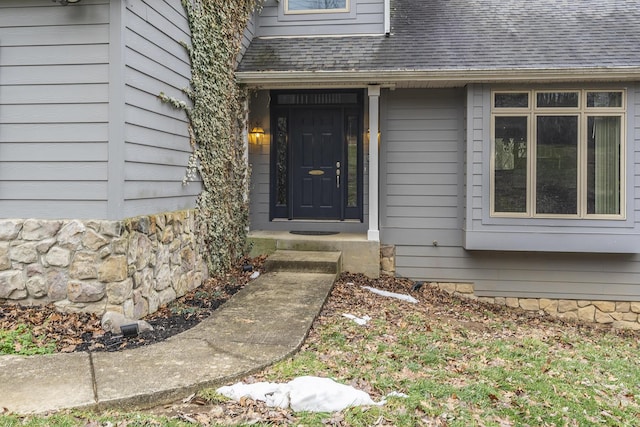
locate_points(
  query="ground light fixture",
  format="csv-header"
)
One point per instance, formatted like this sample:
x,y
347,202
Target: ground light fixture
x,y
130,330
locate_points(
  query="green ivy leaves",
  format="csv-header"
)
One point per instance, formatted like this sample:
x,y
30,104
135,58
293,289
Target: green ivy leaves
x,y
217,120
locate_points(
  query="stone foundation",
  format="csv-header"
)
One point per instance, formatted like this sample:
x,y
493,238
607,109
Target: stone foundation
x,y
388,260
620,314
131,266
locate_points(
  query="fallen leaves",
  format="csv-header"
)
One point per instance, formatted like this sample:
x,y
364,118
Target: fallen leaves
x,y
440,341
49,326
245,412
82,331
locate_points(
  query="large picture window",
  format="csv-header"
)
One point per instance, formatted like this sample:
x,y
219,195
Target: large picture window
x,y
558,154
318,6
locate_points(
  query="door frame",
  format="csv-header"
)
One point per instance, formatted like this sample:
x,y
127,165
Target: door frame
x,y
350,102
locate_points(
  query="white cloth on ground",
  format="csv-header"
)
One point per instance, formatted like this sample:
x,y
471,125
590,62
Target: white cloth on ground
x,y
359,320
402,297
307,393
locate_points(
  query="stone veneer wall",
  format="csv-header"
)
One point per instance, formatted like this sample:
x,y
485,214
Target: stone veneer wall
x,y
388,260
132,266
620,314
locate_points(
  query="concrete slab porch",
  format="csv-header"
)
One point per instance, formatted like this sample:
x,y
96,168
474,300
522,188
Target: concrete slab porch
x,y
359,255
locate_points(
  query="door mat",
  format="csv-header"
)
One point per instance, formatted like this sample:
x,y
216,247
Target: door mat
x,y
315,233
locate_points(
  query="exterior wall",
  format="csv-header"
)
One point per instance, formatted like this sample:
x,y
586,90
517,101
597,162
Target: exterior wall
x,y
131,266
81,125
365,17
259,156
423,211
85,142
421,180
259,185
248,34
54,94
157,146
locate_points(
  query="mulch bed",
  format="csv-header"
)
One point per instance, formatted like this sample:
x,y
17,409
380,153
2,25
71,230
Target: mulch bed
x,y
82,331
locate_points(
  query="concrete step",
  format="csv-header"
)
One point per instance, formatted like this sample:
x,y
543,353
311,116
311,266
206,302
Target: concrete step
x,y
359,255
305,261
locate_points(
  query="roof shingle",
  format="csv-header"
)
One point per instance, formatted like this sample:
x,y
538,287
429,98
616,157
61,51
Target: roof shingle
x,y
440,35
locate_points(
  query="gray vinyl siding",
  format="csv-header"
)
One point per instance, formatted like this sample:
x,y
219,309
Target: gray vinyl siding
x,y
421,192
365,17
259,164
54,94
423,200
259,156
248,34
156,148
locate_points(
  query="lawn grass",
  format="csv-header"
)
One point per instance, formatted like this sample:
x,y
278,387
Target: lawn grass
x,y
87,419
494,373
23,341
460,364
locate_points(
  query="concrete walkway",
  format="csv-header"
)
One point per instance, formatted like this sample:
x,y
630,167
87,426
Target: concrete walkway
x,y
263,323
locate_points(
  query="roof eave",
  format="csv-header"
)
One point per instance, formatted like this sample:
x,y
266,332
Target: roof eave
x,y
457,77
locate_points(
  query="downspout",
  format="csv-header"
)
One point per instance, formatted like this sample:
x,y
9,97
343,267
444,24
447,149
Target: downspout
x,y
373,92
115,209
387,17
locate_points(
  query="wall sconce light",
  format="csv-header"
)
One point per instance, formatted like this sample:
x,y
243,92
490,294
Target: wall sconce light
x,y
66,2
256,136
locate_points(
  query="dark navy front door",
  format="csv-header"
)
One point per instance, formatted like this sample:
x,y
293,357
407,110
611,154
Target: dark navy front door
x,y
316,155
317,147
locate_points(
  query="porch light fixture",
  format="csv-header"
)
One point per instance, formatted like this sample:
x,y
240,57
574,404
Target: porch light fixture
x,y
256,136
66,2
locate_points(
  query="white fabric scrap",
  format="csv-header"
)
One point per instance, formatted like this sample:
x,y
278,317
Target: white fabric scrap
x,y
397,394
313,394
359,320
256,391
255,275
402,297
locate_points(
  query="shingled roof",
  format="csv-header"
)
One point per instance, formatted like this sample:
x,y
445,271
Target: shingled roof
x,y
440,37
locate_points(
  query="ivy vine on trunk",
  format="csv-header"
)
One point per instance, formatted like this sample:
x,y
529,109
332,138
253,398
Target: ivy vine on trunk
x,y
217,119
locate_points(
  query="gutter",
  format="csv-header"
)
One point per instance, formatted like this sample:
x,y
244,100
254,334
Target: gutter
x,y
455,77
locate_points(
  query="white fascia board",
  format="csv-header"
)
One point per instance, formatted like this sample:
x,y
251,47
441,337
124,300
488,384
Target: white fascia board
x,y
453,77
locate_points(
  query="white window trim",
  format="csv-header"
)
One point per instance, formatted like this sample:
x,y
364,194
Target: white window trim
x,y
582,112
346,9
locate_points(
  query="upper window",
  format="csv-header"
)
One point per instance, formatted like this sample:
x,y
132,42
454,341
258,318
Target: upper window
x,y
316,6
558,154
